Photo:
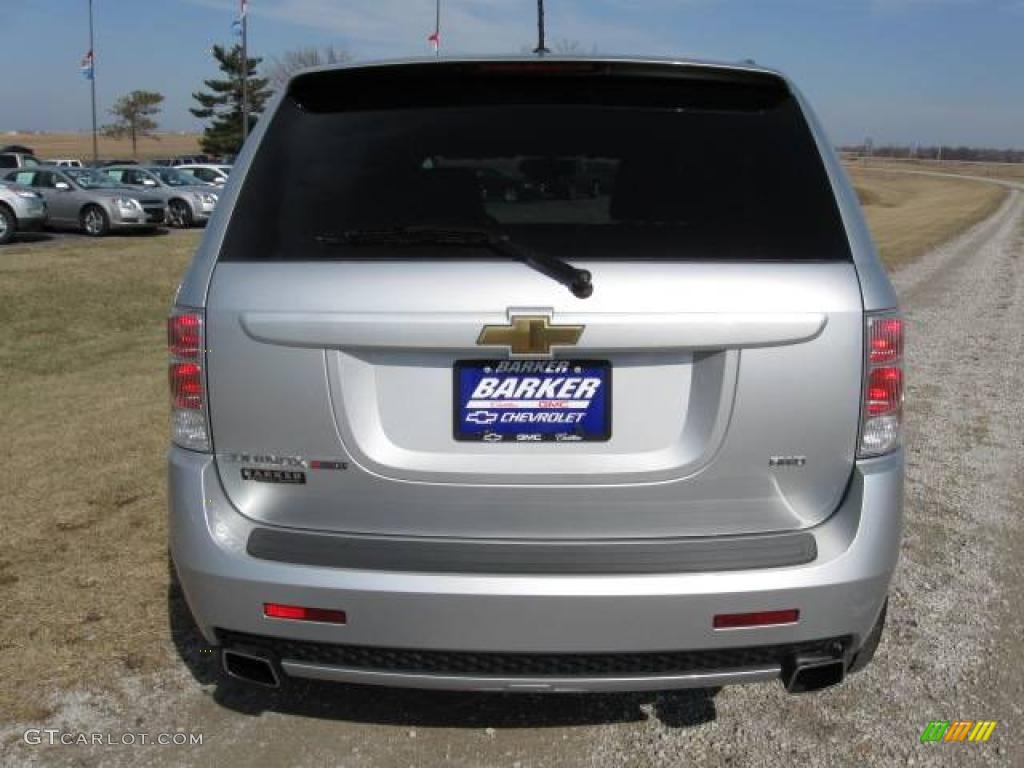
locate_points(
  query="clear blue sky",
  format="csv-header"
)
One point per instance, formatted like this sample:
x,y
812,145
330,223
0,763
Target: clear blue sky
x,y
905,71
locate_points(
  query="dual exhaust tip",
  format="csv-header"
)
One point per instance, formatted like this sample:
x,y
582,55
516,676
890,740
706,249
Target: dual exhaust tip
x,y
800,674
807,674
252,666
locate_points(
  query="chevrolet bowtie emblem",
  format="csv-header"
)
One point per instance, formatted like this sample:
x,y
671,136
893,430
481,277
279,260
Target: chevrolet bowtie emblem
x,y
530,335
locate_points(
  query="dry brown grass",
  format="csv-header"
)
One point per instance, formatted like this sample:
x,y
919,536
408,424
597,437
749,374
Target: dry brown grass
x,y
83,405
50,145
82,371
910,214
1004,171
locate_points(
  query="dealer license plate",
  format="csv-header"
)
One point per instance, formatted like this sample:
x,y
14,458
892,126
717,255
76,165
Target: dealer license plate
x,y
533,401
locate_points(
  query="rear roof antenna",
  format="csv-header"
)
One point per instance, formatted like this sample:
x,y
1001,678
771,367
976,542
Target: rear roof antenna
x,y
541,49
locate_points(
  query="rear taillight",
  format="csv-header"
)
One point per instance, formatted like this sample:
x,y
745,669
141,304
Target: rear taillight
x,y
882,396
186,347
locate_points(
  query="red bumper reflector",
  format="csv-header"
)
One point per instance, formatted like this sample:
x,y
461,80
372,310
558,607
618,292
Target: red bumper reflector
x,y
297,612
758,619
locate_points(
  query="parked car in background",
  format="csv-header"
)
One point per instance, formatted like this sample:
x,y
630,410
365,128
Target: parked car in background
x,y
18,160
189,200
191,160
211,173
85,199
65,162
495,185
21,210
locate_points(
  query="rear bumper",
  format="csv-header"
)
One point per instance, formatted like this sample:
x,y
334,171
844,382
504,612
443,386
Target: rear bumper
x,y
839,595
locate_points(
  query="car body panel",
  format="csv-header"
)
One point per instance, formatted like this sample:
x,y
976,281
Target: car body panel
x,y
340,383
736,405
28,206
841,593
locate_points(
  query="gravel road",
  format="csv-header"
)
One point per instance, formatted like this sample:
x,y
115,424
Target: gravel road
x,y
952,648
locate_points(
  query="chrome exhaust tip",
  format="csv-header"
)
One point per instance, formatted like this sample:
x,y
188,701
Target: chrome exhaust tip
x,y
250,667
810,674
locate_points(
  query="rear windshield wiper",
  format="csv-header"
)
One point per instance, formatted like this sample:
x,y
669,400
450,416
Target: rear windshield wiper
x,y
577,280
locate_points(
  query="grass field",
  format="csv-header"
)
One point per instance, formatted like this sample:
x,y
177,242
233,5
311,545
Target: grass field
x,y
83,572
910,214
1004,171
51,145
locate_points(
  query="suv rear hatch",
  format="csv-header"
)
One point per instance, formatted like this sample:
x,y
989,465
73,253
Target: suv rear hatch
x,y
724,330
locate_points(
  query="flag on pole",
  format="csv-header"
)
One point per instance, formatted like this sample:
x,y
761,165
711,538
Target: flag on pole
x,y
236,27
87,66
435,38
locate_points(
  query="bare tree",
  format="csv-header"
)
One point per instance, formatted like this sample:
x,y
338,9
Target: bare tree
x,y
135,113
292,61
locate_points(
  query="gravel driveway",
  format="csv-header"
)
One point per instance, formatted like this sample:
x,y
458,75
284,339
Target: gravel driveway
x,y
951,651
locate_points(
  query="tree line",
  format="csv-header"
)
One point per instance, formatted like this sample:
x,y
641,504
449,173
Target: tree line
x,y
937,152
220,104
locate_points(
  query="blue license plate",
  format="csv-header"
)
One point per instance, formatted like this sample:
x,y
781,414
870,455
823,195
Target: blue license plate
x,y
533,401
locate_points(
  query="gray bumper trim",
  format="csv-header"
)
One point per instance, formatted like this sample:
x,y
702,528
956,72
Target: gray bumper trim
x,y
529,685
686,555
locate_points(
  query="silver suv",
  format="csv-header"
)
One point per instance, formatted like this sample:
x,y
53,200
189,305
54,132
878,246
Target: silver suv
x,y
641,433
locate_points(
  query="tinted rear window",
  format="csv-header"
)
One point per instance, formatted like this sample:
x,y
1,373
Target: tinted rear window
x,y
583,161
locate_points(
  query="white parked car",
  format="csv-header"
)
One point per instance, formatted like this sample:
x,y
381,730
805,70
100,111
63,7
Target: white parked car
x,y
66,162
209,172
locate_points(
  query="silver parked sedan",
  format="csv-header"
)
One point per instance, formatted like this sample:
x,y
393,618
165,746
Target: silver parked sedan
x,y
645,437
81,198
189,200
21,210
211,173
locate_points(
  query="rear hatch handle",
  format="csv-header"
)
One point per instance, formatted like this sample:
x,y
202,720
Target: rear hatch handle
x,y
609,332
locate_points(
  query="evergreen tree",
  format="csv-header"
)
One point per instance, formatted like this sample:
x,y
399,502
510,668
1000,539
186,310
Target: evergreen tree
x,y
222,106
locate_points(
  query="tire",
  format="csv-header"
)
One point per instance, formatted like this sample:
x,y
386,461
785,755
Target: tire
x,y
8,224
867,651
94,221
179,214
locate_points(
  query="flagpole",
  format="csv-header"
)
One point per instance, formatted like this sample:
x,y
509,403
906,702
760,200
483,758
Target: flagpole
x,y
245,74
437,29
92,88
